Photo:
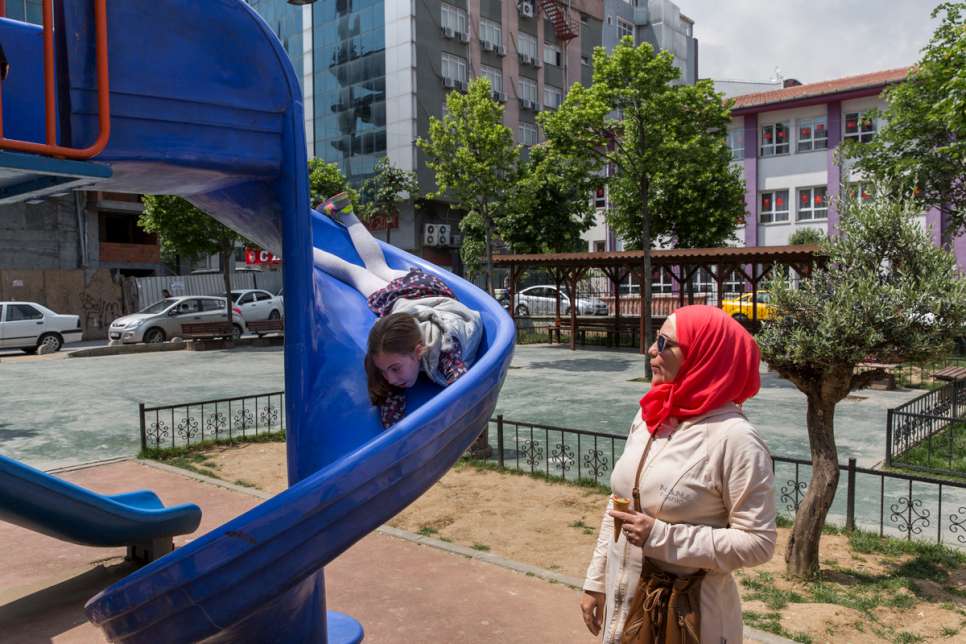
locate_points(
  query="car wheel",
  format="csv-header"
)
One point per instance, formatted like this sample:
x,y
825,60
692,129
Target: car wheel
x,y
154,336
741,317
236,332
274,315
49,343
522,311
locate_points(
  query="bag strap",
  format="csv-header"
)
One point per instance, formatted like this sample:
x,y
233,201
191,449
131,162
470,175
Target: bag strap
x,y
636,492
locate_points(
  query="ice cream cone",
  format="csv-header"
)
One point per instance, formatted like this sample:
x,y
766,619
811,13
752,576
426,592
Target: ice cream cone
x,y
621,505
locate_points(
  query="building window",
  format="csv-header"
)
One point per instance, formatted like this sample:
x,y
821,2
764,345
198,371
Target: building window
x,y
453,18
454,68
860,190
736,143
812,204
528,134
552,54
491,33
812,134
733,283
859,126
661,282
624,28
774,139
527,89
774,207
552,96
600,196
702,282
527,47
495,76
600,246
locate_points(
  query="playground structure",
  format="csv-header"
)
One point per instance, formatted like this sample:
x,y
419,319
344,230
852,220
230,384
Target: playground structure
x,y
199,99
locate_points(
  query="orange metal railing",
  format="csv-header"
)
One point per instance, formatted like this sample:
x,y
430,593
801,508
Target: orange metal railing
x,y
50,147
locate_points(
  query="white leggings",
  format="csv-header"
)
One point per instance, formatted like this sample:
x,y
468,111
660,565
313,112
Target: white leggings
x,y
376,275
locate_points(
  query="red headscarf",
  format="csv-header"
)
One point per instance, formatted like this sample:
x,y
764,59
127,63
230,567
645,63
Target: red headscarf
x,y
720,365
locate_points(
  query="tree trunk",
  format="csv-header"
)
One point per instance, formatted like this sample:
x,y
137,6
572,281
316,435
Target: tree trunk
x,y
647,323
388,224
802,553
226,270
488,238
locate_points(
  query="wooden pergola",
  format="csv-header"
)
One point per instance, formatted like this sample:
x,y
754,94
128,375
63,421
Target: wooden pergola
x,y
751,264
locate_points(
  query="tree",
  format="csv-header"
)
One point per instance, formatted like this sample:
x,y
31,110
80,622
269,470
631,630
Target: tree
x,y
665,141
382,193
476,165
888,294
189,232
325,180
922,144
551,203
803,236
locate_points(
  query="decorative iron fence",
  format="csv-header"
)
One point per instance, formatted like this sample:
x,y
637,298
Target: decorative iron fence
x,y
888,503
170,426
926,433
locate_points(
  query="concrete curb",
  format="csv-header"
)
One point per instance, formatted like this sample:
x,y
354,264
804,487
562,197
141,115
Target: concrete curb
x,y
125,349
451,548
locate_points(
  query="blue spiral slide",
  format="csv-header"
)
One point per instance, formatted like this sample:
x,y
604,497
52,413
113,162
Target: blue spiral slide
x,y
205,104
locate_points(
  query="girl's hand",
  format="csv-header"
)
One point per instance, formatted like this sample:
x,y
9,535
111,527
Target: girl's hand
x,y
637,525
592,608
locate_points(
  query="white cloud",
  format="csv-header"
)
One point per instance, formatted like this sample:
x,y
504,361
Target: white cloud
x,y
810,40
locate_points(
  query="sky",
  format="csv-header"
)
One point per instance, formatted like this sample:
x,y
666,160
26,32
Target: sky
x,y
809,40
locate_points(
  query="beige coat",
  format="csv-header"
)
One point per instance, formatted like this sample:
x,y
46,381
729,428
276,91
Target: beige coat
x,y
708,483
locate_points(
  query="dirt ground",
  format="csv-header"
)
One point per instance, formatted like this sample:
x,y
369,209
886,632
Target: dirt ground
x,y
554,526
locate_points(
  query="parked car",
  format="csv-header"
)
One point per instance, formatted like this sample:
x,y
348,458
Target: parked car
x,y
162,320
742,307
257,304
542,300
29,326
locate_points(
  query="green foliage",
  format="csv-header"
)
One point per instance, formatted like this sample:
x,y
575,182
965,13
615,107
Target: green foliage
x,y
386,189
325,180
476,165
551,205
803,236
184,229
923,141
886,292
674,176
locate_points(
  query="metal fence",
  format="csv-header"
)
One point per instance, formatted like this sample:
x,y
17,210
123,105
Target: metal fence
x,y
148,289
924,433
884,502
182,425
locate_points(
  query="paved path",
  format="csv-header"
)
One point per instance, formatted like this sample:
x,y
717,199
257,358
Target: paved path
x,y
57,412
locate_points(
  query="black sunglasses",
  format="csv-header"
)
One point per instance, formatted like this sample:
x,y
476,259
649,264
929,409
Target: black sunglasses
x,y
664,342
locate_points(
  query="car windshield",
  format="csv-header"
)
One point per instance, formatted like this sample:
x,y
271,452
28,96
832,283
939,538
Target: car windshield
x,y
236,294
158,307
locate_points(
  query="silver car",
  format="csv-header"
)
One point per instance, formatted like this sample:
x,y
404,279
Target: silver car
x,y
542,300
162,320
31,327
257,304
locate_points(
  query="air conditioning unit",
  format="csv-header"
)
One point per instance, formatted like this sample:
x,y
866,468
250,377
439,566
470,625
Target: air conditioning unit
x,y
436,235
526,9
449,82
464,36
487,45
448,32
499,96
461,86
528,104
500,50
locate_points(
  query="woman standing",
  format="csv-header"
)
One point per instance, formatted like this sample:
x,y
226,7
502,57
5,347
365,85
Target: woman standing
x,y
704,481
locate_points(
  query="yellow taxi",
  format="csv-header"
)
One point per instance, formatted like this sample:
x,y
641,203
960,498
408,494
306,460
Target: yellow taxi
x,y
742,307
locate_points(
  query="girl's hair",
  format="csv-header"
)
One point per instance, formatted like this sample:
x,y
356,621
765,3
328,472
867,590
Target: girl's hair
x,y
396,333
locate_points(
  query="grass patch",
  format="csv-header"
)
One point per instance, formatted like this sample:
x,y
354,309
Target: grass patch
x,y
771,623
944,450
166,454
763,589
244,483
428,531
488,466
482,547
580,525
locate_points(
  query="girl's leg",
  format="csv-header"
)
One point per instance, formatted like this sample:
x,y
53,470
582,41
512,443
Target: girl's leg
x,y
338,206
356,276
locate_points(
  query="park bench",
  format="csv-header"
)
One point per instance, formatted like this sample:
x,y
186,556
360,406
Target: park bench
x,y
950,374
261,327
628,326
207,330
887,380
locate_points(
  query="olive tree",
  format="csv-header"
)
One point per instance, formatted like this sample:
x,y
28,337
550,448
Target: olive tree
x,y
885,293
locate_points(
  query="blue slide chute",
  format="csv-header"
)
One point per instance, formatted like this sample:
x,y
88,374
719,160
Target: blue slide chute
x,y
205,104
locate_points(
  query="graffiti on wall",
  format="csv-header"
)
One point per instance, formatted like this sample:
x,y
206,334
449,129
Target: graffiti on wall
x,y
97,312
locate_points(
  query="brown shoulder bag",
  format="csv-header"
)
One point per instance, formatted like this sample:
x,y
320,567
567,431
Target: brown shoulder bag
x,y
666,608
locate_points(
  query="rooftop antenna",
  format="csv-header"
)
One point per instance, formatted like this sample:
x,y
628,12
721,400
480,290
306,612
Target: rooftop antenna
x,y
778,75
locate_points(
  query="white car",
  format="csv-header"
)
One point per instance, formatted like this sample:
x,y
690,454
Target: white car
x,y
257,304
30,326
542,300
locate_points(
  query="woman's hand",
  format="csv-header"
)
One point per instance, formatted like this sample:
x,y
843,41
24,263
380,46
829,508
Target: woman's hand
x,y
637,526
592,608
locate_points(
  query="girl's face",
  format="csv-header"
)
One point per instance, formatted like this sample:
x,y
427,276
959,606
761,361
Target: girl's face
x,y
399,369
666,364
